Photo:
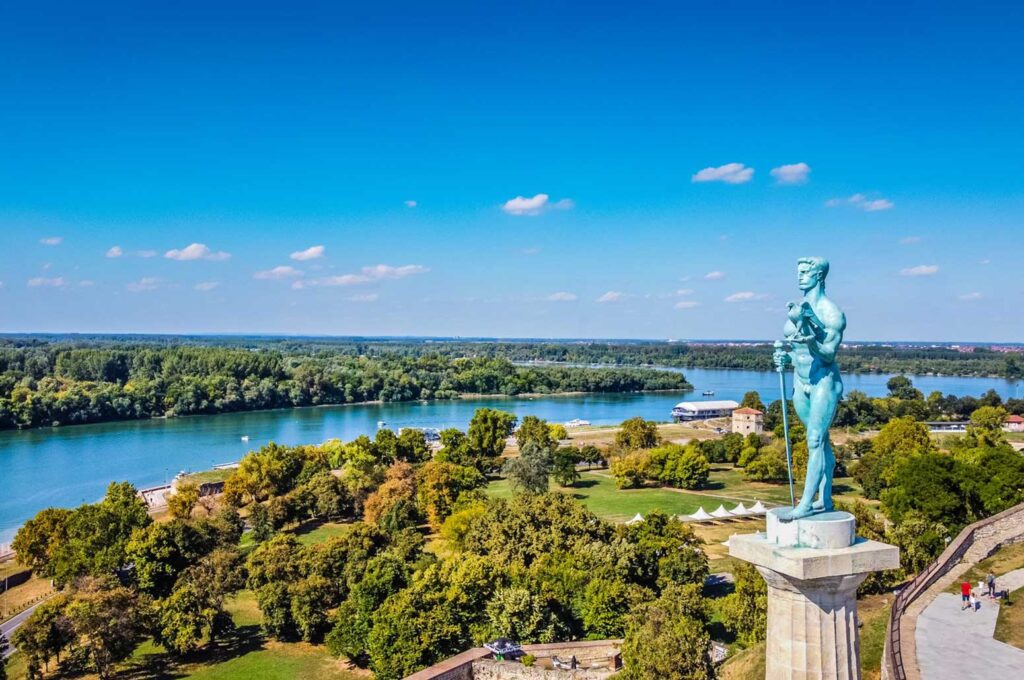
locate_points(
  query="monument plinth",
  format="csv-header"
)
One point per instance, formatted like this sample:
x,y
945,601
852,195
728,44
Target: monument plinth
x,y
812,592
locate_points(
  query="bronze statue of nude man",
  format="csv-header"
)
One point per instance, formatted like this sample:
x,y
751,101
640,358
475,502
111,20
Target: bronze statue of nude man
x,y
813,333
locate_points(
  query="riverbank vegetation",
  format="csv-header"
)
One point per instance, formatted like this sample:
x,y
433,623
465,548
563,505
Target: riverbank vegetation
x,y
394,556
62,384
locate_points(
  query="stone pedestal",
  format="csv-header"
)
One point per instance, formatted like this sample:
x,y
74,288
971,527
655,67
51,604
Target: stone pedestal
x,y
812,592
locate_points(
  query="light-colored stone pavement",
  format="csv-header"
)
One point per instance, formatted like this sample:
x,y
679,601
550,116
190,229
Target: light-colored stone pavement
x,y
953,644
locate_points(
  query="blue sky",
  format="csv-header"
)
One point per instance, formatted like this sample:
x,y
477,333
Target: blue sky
x,y
288,140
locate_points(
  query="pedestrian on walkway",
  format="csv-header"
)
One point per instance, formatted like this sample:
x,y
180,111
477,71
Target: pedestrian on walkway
x,y
965,595
991,581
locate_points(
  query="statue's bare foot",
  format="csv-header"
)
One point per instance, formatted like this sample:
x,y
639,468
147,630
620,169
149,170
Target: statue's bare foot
x,y
817,506
799,512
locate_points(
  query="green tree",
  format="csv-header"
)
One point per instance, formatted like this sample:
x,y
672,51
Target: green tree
x,y
901,387
558,432
518,614
745,610
488,432
412,446
311,599
529,471
439,486
162,551
184,500
275,603
929,484
563,467
631,470
109,623
39,537
533,430
987,426
4,646
753,400
606,604
637,433
668,639
46,633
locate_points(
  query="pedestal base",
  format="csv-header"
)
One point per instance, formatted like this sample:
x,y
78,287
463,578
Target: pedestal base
x,y
812,602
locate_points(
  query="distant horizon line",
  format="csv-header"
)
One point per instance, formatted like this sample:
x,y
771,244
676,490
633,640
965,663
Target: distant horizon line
x,y
481,338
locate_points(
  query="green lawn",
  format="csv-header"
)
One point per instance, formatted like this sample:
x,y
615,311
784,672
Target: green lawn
x,y
209,476
1010,623
312,533
597,491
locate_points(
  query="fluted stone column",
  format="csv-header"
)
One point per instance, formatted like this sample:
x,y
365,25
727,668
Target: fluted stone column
x,y
812,593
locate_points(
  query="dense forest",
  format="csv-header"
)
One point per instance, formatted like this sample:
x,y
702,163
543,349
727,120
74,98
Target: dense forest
x,y
855,358
69,383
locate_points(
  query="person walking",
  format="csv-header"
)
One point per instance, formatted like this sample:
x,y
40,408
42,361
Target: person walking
x,y
965,595
991,581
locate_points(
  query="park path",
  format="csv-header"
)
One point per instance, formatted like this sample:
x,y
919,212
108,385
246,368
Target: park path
x,y
11,625
953,644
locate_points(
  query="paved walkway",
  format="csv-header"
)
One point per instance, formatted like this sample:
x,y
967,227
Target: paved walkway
x,y
11,625
953,644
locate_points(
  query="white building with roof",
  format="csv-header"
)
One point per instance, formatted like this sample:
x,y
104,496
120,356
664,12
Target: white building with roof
x,y
703,410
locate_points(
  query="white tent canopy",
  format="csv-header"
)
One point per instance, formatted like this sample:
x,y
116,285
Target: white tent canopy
x,y
740,510
701,515
721,513
758,509
637,518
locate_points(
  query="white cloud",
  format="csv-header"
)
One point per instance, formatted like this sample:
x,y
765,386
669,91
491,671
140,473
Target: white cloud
x,y
368,297
611,296
984,262
683,292
204,286
562,296
714,276
730,173
795,173
530,251
311,253
970,296
910,240
746,296
43,282
520,205
144,284
687,304
410,204
366,275
862,202
920,270
386,271
280,272
86,283
52,240
115,251
146,253
196,251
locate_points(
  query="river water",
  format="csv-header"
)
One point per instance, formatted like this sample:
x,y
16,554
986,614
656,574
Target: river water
x,y
68,466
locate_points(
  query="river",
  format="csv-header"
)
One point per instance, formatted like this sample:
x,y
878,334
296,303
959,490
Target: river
x,y
68,466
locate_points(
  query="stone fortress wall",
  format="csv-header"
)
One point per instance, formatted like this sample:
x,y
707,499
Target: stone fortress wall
x,y
973,544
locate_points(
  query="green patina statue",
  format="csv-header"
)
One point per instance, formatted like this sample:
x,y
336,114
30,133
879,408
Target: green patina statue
x,y
813,333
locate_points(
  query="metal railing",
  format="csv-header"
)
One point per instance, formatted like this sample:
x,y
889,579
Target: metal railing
x,y
949,558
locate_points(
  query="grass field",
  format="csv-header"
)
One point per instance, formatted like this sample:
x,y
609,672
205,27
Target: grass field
x,y
597,491
1010,623
209,476
312,533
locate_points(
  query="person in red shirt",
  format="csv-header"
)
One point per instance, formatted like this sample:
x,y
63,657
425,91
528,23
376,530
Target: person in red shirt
x,y
965,595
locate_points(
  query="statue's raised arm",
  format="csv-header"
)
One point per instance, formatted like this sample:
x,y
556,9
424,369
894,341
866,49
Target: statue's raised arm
x,y
813,333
